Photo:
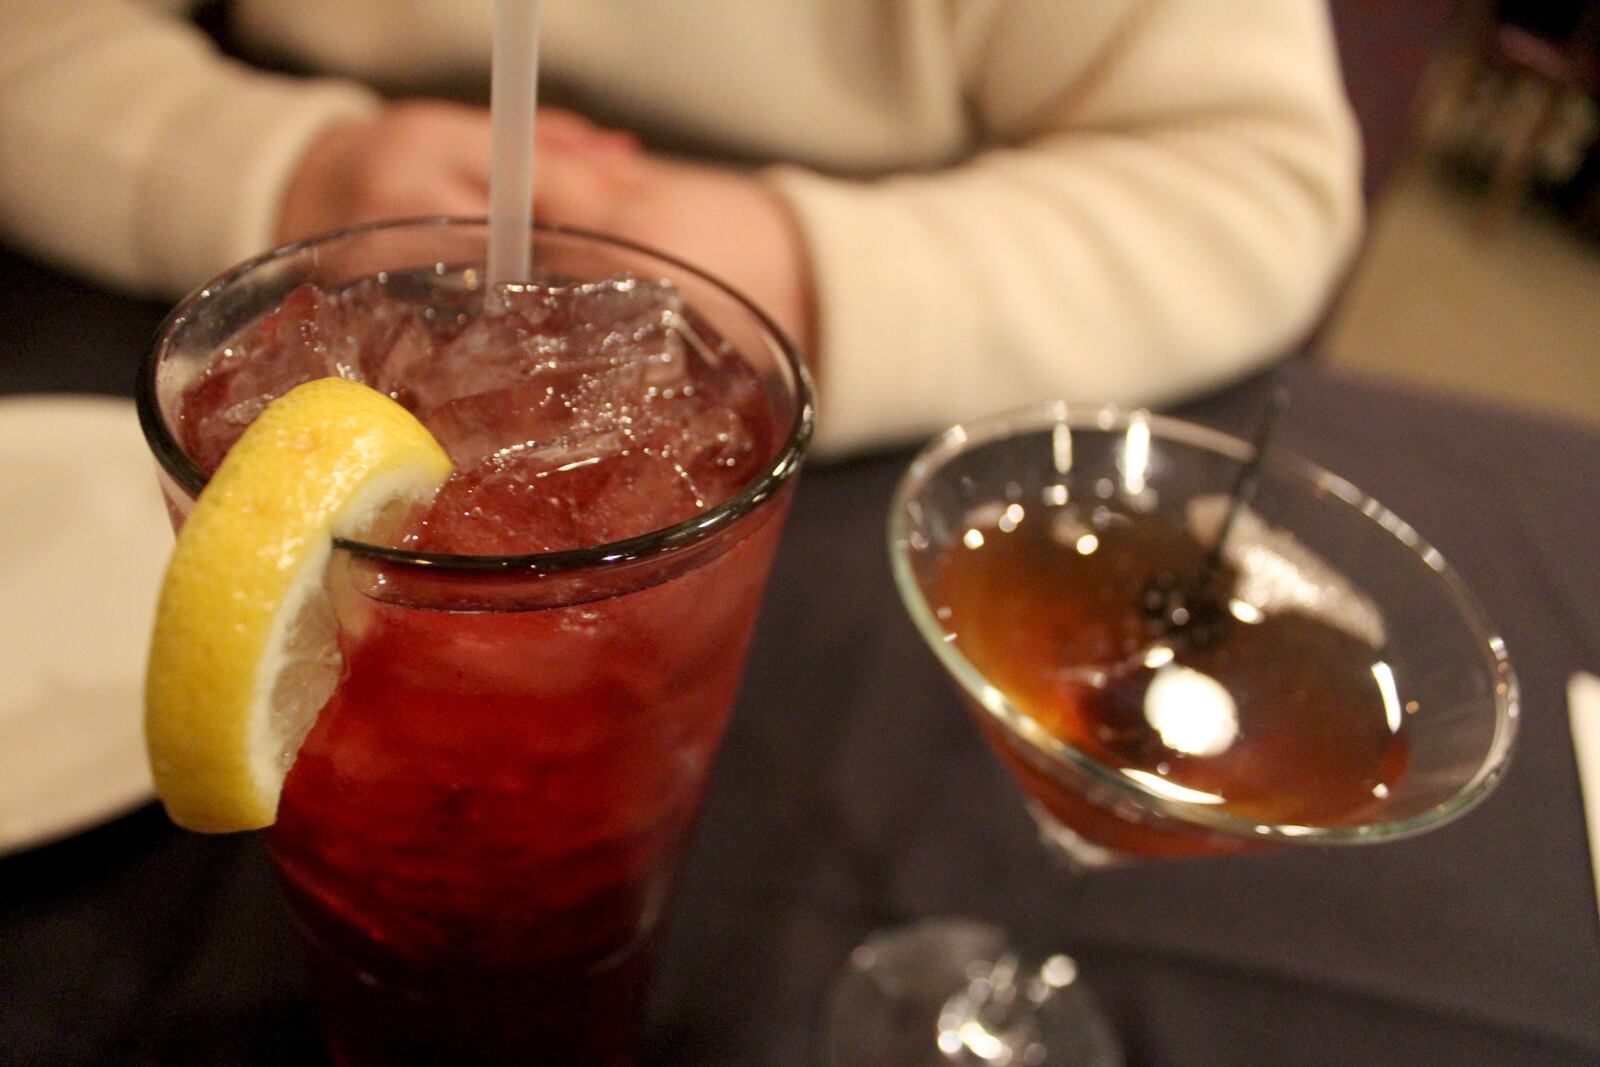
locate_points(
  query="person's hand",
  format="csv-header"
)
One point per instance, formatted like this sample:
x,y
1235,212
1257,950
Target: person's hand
x,y
728,223
420,157
432,158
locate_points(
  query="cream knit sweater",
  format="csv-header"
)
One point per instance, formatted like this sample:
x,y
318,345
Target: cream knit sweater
x,y
1003,200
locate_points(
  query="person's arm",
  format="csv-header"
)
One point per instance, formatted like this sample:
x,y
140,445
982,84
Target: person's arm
x,y
131,151
1162,224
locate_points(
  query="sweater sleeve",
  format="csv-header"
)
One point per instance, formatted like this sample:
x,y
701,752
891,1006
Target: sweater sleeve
x,y
1169,219
136,153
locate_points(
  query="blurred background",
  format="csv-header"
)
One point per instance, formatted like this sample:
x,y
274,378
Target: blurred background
x,y
1480,274
1481,270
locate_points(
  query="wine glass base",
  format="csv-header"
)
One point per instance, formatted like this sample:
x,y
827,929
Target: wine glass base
x,y
912,997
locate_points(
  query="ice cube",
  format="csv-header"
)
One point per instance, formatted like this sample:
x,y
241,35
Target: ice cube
x,y
575,413
540,331
495,351
311,334
643,492
410,348
498,509
559,375
474,428
357,327
261,363
570,494
713,445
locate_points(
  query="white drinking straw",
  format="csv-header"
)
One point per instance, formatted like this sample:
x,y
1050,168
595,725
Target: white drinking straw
x,y
512,97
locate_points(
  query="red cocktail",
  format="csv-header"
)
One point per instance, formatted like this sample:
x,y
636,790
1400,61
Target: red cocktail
x,y
480,832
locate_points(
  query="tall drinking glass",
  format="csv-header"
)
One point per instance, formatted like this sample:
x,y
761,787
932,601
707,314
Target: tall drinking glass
x,y
480,833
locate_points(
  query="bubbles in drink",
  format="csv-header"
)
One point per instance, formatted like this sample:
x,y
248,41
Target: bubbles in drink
x,y
576,413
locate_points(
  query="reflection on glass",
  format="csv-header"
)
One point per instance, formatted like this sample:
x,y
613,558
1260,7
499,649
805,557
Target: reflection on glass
x,y
1192,713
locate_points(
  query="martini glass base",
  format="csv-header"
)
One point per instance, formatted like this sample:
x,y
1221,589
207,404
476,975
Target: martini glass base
x,y
950,991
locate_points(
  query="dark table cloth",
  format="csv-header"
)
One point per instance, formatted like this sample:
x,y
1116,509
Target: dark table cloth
x,y
853,793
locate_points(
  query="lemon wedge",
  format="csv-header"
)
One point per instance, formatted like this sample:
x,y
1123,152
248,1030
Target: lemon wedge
x,y
245,649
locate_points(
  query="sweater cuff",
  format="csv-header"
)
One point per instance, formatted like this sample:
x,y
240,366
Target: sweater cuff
x,y
877,307
212,191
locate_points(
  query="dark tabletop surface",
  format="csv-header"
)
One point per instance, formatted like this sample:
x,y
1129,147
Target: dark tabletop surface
x,y
853,794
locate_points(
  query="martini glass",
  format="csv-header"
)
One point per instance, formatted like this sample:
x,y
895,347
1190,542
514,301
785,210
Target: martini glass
x,y
1163,682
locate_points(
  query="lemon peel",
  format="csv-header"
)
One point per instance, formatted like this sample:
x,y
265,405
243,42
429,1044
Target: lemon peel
x,y
244,651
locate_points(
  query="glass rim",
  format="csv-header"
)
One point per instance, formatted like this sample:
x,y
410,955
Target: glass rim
x,y
1110,418
785,464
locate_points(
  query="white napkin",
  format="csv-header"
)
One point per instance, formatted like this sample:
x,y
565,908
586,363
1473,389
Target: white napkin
x,y
1583,704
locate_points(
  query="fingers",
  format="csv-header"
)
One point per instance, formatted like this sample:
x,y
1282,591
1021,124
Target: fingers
x,y
459,198
426,157
575,189
558,134
565,130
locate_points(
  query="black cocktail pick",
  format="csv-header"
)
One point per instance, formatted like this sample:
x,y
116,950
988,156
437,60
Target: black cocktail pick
x,y
1194,609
